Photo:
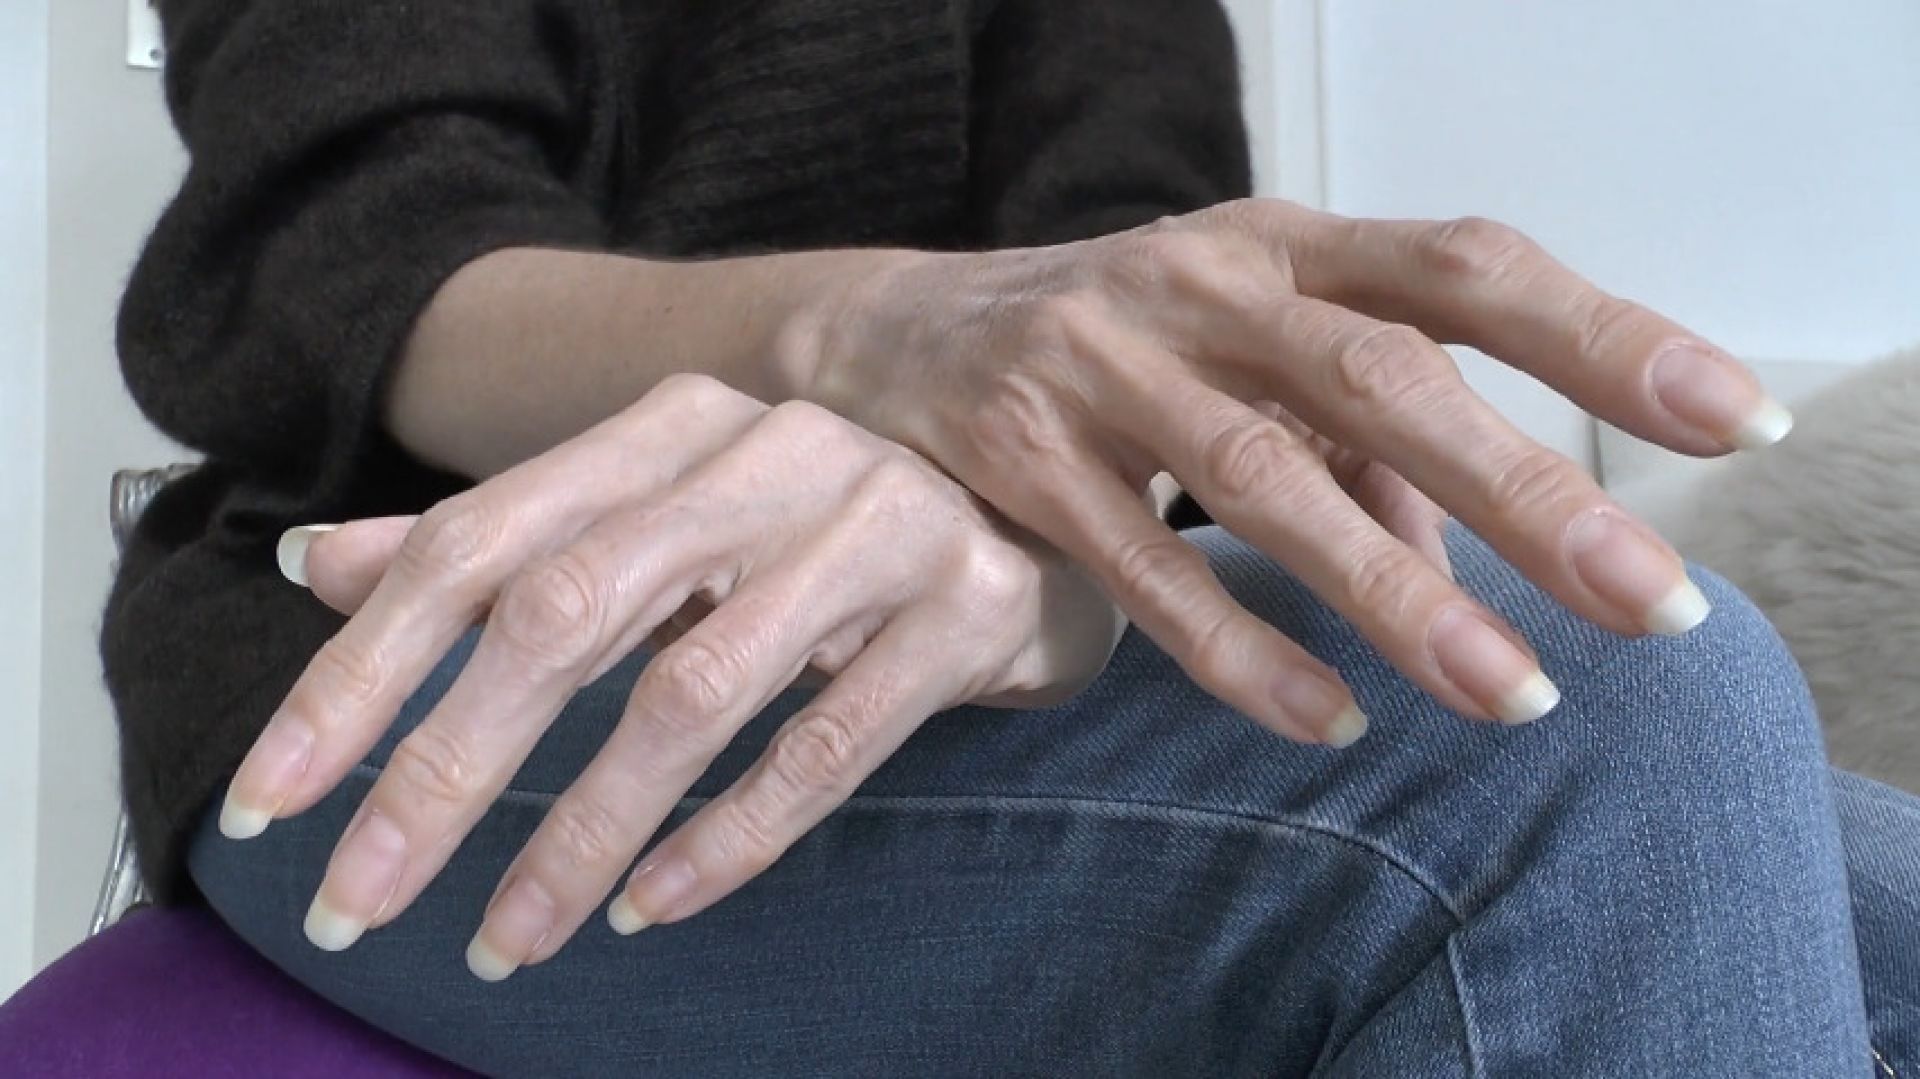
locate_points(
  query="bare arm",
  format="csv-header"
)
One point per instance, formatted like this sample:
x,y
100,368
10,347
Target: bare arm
x,y
523,348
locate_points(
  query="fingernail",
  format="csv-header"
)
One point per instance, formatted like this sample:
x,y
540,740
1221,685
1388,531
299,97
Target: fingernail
x,y
625,920
513,931
274,764
1709,390
1313,702
1489,668
1636,574
657,889
1347,728
1683,608
292,551
360,882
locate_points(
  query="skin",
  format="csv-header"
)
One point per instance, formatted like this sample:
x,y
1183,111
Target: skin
x,y
1280,364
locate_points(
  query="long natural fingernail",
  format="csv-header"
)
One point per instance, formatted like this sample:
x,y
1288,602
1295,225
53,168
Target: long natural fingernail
x,y
656,890
292,551
1489,668
1635,573
513,931
1315,703
625,920
1709,390
359,885
274,764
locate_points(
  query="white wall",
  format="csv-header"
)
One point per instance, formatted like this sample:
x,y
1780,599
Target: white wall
x,y
23,297
112,162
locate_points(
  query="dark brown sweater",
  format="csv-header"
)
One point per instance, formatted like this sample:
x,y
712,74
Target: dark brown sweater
x,y
347,156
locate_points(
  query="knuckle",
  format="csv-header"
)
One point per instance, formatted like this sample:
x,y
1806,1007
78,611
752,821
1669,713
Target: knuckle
x,y
1381,581
693,389
1152,566
816,754
1604,324
1061,323
1211,651
1178,251
1474,248
586,834
1245,459
744,836
804,416
347,676
995,580
1390,364
1536,478
435,764
1223,271
894,485
553,613
690,685
453,539
821,430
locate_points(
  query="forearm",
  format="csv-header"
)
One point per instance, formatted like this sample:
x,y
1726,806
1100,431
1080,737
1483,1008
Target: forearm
x,y
523,349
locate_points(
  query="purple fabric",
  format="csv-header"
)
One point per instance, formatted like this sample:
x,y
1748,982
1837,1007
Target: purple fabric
x,y
175,993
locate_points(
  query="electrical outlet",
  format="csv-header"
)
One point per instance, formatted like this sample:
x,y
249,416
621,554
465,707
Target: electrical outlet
x,y
143,35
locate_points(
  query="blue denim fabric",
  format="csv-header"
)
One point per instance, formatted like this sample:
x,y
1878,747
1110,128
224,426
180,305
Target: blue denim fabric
x,y
1652,881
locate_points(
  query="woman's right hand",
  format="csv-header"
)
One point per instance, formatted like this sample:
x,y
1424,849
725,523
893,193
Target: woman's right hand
x,y
1056,382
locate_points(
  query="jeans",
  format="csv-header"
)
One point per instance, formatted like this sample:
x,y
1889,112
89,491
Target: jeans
x,y
1652,881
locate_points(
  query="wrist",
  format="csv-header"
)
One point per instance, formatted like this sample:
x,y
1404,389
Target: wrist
x,y
818,347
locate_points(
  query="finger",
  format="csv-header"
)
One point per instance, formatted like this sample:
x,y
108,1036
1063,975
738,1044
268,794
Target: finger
x,y
1402,509
1165,586
444,576
556,623
1268,486
342,563
1389,393
1480,283
811,766
691,700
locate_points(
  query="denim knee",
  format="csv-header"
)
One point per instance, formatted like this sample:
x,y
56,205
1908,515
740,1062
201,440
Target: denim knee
x,y
1728,689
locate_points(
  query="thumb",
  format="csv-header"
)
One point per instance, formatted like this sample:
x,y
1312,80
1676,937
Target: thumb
x,y
342,563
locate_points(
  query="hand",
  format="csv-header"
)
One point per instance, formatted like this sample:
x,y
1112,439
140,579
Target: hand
x,y
1056,382
812,543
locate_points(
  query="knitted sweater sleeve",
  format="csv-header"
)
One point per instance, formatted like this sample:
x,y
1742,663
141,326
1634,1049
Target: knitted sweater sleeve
x,y
345,158
1093,116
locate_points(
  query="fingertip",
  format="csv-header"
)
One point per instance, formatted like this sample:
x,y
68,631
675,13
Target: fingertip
x,y
241,821
1767,424
1320,705
292,550
624,917
1347,727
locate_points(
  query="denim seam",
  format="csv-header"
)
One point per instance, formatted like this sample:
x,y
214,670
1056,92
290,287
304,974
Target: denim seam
x,y
1470,1032
1886,1069
1108,806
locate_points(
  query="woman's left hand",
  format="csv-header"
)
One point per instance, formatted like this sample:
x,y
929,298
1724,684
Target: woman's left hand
x,y
786,538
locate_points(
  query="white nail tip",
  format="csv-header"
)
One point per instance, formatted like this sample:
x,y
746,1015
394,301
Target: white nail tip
x,y
292,551
1347,728
242,822
1533,699
1768,424
487,964
625,920
1681,610
329,930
